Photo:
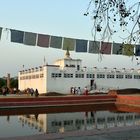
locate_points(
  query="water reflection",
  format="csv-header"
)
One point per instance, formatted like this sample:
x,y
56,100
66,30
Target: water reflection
x,y
62,122
41,120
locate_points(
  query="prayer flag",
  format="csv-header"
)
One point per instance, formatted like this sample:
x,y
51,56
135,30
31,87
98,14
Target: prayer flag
x,y
105,48
128,49
43,40
117,48
137,50
81,45
29,38
0,32
17,36
69,44
56,42
94,47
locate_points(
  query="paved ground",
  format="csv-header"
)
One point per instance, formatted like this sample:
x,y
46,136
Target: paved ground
x,y
118,133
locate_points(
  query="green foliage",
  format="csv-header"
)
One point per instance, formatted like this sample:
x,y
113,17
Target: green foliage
x,y
13,83
2,82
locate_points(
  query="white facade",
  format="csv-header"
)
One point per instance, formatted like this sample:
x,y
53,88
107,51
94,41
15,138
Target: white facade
x,y
68,72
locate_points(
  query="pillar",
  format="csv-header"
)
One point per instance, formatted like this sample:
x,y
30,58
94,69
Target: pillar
x,y
8,80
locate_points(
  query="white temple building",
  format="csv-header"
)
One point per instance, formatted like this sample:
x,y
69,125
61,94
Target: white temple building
x,y
66,73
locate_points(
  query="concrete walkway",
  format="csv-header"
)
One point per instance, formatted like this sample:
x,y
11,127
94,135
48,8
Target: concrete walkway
x,y
9,101
118,133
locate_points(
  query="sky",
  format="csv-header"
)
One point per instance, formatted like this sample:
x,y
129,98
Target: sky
x,y
54,17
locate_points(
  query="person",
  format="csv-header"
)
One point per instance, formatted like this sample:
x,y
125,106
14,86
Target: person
x,y
71,90
32,91
85,91
76,90
79,91
36,93
4,91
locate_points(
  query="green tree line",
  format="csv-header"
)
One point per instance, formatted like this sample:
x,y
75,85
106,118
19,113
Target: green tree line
x,y
13,82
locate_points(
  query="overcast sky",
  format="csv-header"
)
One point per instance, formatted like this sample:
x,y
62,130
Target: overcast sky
x,y
54,17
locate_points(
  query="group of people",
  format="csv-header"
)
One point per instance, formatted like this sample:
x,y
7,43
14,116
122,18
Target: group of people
x,y
78,91
33,92
75,90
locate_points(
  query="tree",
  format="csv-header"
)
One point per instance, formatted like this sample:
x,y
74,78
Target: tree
x,y
13,83
111,16
2,82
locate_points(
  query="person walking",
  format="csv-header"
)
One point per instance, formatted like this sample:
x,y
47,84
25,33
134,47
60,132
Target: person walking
x,y
36,93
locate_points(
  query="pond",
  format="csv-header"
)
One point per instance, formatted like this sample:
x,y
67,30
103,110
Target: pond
x,y
30,124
